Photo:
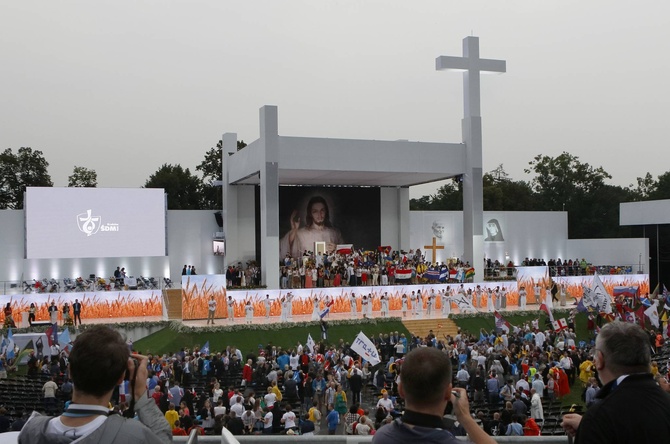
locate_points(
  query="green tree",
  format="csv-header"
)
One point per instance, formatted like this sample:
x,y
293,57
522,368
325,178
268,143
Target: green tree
x,y
449,197
646,186
661,188
184,190
82,177
563,180
500,194
211,170
504,194
566,183
596,214
25,168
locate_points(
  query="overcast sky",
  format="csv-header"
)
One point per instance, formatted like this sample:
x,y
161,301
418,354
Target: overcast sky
x,y
123,87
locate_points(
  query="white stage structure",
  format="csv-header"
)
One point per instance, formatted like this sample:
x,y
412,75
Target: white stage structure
x,y
274,160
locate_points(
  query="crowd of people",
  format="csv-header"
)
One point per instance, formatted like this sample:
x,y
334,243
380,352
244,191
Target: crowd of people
x,y
385,267
497,383
366,268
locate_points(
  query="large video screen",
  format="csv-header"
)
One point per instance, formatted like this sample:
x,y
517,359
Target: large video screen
x,y
94,222
334,215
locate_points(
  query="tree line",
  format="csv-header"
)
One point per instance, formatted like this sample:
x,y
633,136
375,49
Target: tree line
x,y
561,183
185,190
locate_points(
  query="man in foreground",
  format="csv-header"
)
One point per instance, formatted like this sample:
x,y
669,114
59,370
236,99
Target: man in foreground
x,y
98,362
630,407
425,384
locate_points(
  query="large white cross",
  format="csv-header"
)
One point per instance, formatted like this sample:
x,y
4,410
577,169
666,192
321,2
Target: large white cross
x,y
473,190
471,66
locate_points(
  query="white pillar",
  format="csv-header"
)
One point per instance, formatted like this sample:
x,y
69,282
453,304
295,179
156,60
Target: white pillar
x,y
269,194
229,200
403,217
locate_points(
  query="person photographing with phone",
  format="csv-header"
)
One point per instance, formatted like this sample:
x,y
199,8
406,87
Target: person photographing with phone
x,y
99,361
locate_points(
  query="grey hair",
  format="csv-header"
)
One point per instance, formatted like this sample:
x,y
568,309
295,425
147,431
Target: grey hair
x,y
626,348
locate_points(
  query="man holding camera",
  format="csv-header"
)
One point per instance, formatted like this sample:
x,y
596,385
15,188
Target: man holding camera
x,y
99,361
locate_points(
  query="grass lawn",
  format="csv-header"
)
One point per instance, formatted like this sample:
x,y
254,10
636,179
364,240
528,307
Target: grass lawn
x,y
167,341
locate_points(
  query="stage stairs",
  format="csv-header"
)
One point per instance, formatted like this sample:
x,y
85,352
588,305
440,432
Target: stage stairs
x,y
440,327
173,298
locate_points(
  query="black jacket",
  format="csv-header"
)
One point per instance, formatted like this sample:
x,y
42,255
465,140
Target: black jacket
x,y
637,410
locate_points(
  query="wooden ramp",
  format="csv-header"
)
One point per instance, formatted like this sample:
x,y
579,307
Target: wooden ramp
x,y
440,327
173,299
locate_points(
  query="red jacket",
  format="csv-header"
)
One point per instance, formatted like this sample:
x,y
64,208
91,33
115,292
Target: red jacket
x,y
246,373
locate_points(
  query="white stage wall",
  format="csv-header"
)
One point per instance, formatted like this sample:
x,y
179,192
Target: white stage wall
x,y
539,234
189,236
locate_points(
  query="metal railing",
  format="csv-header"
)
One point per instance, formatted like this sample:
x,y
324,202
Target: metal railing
x,y
193,438
67,285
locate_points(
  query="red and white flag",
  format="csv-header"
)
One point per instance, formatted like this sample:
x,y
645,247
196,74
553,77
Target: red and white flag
x,y
403,273
560,324
547,310
344,248
501,322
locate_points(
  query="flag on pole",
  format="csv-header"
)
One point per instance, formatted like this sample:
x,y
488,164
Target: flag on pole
x,y
326,309
652,314
639,313
464,303
64,337
52,334
560,324
10,344
546,309
602,296
344,248
366,349
403,273
30,347
501,322
645,301
310,343
666,298
205,349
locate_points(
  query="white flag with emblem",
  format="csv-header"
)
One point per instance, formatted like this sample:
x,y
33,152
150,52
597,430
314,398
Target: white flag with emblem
x,y
366,349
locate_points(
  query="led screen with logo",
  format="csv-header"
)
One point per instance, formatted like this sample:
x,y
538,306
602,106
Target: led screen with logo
x,y
94,222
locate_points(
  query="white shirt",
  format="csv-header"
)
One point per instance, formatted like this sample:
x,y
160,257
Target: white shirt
x,y
522,384
288,419
386,403
267,420
270,399
57,427
238,408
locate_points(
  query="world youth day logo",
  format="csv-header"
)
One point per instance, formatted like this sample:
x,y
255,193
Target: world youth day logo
x,y
88,224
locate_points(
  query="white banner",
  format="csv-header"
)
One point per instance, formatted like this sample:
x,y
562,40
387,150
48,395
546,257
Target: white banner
x,y
310,343
652,314
366,349
464,303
